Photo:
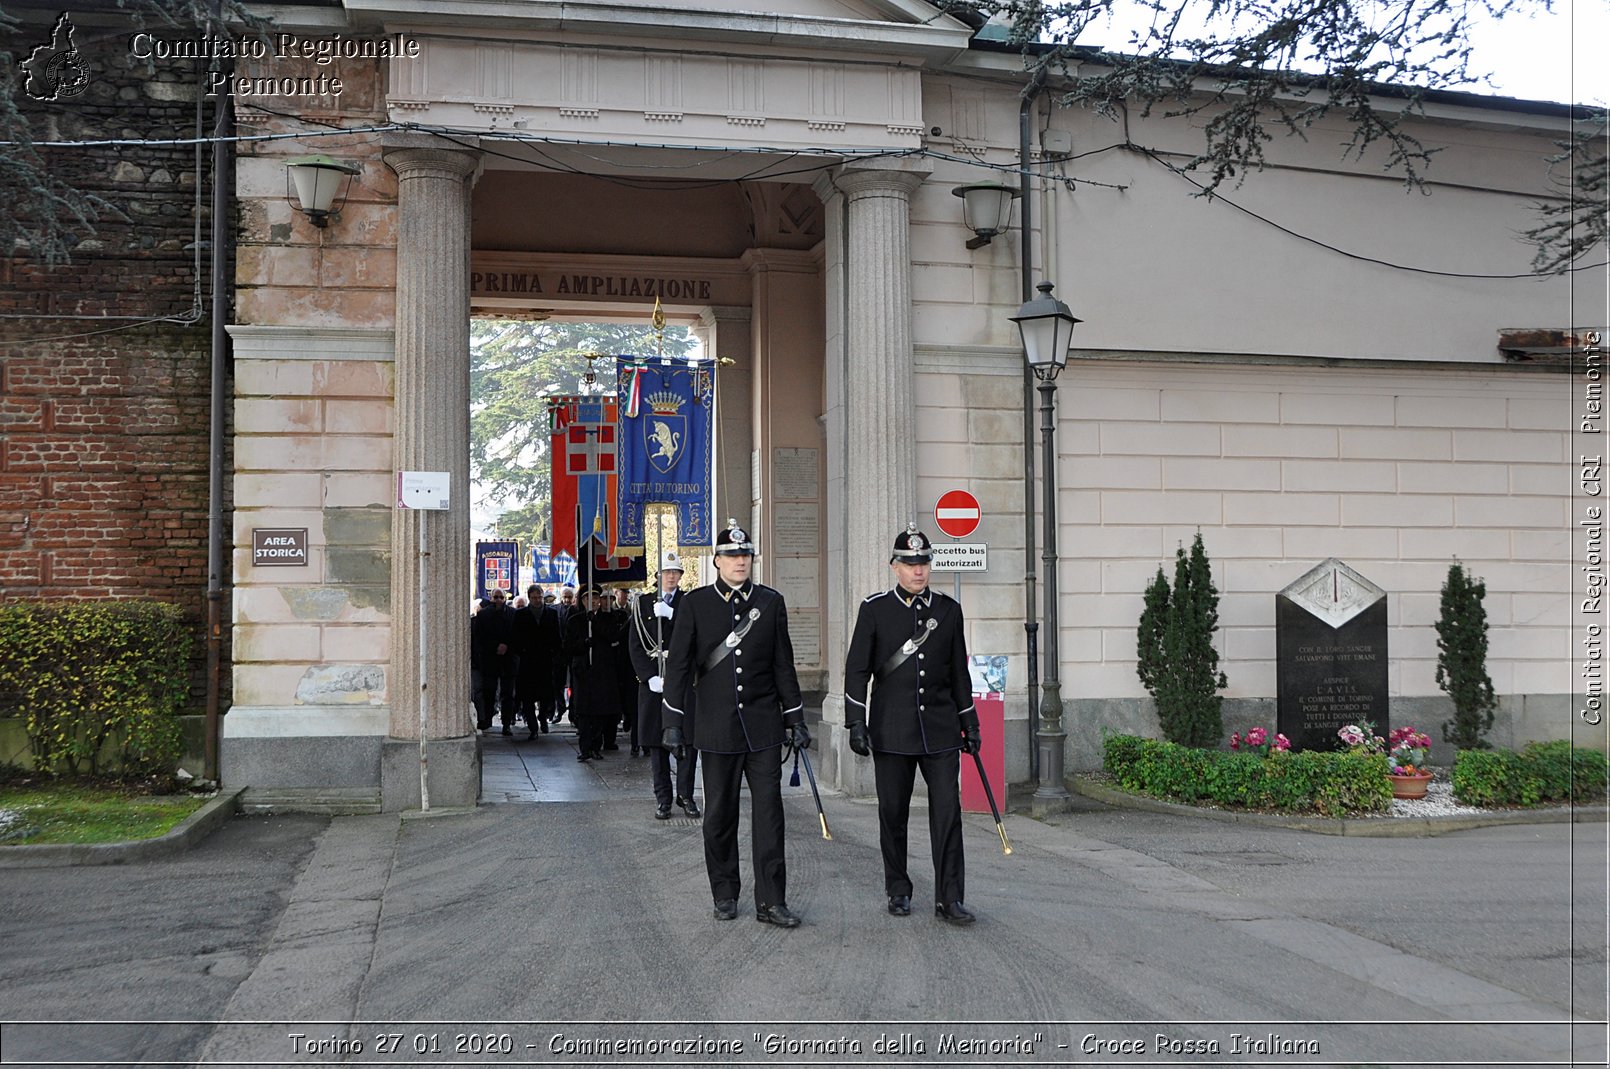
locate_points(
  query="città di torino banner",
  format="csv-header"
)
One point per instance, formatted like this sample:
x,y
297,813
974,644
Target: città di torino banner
x,y
664,447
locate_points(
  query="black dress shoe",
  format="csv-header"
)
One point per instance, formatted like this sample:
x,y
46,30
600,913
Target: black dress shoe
x,y
726,909
544,727
779,915
900,905
662,811
636,752
953,913
507,730
584,756
689,806
611,746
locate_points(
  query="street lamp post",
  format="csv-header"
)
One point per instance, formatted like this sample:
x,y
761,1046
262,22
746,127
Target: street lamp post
x,y
1046,325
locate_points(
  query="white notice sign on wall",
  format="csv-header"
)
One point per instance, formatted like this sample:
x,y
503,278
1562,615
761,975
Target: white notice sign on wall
x,y
961,557
422,489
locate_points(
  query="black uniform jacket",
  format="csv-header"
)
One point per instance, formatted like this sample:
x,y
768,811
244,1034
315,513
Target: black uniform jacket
x,y
922,705
596,646
747,699
649,634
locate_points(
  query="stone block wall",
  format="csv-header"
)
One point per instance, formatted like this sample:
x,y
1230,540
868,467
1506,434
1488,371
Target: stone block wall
x,y
1397,471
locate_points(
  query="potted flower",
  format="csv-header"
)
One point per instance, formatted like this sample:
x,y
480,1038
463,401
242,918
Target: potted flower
x,y
1256,741
1362,737
1409,751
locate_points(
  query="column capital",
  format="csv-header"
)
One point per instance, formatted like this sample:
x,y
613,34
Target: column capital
x,y
725,313
428,156
880,177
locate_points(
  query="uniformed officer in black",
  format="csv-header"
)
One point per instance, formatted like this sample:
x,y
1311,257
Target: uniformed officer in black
x,y
920,715
653,624
731,656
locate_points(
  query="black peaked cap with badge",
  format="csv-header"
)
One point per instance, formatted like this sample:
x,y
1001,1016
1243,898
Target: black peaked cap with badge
x,y
915,648
731,656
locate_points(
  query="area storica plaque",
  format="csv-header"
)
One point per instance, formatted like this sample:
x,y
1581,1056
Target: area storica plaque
x,y
279,547
1330,656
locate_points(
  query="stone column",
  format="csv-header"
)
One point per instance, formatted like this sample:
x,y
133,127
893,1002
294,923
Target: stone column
x,y
726,330
871,403
432,434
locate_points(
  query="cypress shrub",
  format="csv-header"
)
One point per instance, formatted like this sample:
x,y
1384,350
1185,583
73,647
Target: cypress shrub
x,y
1462,660
1174,653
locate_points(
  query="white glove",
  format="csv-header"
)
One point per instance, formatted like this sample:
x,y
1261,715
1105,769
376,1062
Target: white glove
x,y
656,684
663,611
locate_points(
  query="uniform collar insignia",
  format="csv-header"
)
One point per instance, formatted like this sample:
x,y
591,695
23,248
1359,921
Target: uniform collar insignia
x,y
907,598
727,592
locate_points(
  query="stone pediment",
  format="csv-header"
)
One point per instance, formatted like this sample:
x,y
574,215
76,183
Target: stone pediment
x,y
1333,592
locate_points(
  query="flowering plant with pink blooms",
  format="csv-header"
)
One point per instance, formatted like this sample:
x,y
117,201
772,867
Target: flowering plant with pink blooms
x,y
1409,751
1362,737
1256,741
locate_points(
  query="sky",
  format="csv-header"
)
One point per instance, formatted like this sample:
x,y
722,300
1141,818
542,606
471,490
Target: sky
x,y
1542,55
1550,56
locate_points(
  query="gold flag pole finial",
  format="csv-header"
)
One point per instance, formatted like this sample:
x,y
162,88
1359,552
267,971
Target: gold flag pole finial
x,y
659,328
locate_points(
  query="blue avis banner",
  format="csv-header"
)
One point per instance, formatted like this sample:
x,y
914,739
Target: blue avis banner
x,y
558,569
496,567
664,448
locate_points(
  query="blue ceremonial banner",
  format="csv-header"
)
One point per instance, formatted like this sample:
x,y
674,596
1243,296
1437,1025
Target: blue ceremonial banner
x,y
604,569
552,570
664,448
497,567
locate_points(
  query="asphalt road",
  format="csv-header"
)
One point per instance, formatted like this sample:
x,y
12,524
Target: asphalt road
x,y
580,932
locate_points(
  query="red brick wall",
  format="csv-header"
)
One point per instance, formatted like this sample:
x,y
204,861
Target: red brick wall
x,y
103,421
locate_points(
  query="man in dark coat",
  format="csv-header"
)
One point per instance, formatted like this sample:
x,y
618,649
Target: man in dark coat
x,y
491,635
595,643
920,716
731,656
536,648
653,623
561,668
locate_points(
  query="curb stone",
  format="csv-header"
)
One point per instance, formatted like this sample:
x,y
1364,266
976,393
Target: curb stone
x,y
183,836
1371,827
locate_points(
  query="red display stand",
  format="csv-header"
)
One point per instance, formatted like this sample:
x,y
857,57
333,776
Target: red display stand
x,y
992,725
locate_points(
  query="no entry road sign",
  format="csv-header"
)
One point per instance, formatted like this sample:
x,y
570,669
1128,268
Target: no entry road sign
x,y
957,513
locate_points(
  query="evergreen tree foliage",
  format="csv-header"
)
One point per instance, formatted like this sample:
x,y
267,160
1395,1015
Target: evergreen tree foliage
x,y
1149,663
514,366
1462,660
1176,660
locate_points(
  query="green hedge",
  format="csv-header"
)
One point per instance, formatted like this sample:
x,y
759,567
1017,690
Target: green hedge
x,y
98,684
1333,784
1540,772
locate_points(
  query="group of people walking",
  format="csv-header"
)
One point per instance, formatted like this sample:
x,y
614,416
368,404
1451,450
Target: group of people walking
x,y
712,672
588,655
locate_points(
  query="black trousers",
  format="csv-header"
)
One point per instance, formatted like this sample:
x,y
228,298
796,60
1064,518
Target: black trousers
x,y
497,692
659,763
561,681
724,774
590,732
895,774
